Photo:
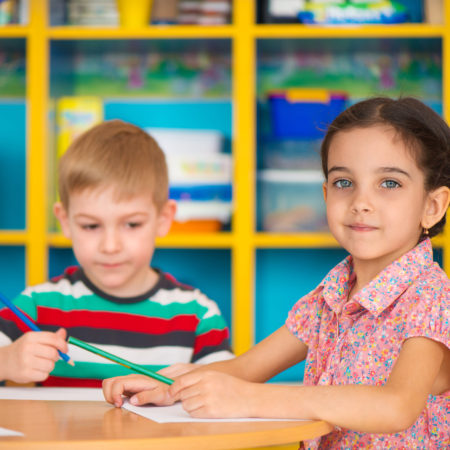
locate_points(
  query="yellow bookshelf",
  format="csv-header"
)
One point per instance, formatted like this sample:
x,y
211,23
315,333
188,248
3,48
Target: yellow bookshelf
x,y
243,241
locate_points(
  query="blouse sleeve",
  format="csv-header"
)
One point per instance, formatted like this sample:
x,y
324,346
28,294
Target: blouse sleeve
x,y
302,318
430,316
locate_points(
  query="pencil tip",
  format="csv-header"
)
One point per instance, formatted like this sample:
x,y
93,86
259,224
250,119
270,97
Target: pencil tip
x,y
71,362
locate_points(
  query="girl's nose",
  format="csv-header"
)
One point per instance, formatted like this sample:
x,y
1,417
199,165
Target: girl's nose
x,y
361,202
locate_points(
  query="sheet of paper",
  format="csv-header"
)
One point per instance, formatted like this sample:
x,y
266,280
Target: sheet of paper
x,y
51,393
176,413
6,432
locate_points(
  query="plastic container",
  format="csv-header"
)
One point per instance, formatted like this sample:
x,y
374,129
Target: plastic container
x,y
291,201
290,154
304,113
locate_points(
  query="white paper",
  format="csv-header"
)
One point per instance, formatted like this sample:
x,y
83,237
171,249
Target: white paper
x,y
6,432
176,413
51,393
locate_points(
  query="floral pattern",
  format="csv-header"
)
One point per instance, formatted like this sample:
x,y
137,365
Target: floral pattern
x,y
358,341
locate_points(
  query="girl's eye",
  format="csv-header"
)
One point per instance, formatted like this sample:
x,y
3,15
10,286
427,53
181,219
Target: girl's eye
x,y
342,183
390,184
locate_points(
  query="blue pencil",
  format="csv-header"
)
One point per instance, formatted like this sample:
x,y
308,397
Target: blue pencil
x,y
30,323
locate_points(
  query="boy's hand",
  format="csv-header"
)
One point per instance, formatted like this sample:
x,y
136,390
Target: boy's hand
x,y
213,394
142,389
32,357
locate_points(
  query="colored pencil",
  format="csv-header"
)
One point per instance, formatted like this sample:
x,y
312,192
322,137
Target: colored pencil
x,y
29,323
123,362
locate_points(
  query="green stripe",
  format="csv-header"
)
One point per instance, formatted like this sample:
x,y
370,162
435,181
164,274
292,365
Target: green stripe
x,y
95,370
211,323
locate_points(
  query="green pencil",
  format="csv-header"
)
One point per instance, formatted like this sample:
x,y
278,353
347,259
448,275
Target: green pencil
x,y
136,367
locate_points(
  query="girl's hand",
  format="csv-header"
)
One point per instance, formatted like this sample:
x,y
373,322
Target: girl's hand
x,y
32,357
213,394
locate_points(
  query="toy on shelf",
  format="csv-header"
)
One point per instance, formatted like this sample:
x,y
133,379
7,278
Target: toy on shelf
x,y
359,12
200,177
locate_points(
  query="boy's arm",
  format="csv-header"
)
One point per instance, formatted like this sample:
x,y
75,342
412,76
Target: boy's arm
x,y
390,408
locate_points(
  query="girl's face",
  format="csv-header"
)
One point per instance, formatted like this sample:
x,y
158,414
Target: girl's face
x,y
375,195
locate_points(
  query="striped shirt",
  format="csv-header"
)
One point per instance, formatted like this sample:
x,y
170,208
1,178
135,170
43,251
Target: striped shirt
x,y
171,323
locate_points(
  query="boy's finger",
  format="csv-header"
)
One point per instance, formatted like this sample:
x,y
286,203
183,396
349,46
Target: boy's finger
x,y
158,396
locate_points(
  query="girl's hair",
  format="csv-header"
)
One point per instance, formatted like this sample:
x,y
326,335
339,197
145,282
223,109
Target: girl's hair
x,y
118,154
422,130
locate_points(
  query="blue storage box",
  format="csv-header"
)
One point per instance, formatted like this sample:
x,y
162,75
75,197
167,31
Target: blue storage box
x,y
304,113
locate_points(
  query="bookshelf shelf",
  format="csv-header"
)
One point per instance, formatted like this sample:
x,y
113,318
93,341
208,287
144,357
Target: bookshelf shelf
x,y
244,245
13,31
151,32
13,237
362,31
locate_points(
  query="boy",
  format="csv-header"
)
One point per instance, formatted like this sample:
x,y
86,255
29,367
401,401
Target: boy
x,y
113,186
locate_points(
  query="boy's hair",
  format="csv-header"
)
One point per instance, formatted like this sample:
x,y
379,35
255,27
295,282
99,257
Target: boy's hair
x,y
422,130
114,153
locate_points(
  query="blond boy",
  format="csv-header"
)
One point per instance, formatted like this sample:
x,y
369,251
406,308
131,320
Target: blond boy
x,y
113,187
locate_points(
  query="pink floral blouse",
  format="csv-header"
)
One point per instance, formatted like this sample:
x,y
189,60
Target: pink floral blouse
x,y
358,341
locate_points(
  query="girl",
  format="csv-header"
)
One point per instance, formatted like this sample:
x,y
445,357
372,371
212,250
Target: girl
x,y
376,331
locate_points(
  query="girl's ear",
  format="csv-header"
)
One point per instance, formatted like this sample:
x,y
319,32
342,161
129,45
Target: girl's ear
x,y
165,218
63,218
324,188
436,205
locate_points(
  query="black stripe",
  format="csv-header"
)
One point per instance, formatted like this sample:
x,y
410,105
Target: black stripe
x,y
128,338
10,328
225,345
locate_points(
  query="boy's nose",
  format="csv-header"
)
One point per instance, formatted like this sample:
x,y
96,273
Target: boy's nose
x,y
111,241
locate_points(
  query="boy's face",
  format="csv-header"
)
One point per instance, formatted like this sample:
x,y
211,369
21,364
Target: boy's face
x,y
114,240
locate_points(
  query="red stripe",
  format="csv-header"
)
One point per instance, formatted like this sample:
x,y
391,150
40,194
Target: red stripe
x,y
212,338
71,382
9,315
115,321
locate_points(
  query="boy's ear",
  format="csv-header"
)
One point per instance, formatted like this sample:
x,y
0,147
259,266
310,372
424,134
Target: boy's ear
x,y
165,218
61,214
436,206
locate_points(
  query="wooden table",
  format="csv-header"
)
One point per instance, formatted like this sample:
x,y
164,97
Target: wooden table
x,y
96,425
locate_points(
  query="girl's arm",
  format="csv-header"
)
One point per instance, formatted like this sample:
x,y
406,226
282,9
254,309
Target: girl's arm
x,y
390,408
272,355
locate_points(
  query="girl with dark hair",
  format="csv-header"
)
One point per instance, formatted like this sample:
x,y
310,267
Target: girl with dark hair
x,y
375,333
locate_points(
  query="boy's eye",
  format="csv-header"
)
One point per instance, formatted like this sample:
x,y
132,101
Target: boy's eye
x,y
342,183
89,226
390,184
133,224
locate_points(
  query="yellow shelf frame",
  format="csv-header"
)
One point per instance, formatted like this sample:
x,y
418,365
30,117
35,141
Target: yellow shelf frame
x,y
243,241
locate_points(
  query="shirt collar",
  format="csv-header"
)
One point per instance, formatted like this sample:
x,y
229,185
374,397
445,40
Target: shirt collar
x,y
385,288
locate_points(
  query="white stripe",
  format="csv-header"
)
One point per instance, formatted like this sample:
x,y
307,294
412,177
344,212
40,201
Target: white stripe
x,y
222,355
64,286
167,297
163,355
4,339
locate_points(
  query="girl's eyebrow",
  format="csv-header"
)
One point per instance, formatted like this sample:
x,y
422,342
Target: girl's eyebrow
x,y
380,170
393,170
338,169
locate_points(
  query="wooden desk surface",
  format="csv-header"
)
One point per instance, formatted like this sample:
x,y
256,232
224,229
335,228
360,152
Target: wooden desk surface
x,y
80,425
